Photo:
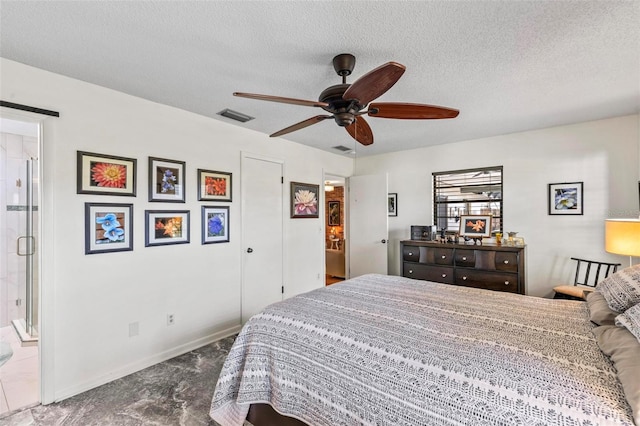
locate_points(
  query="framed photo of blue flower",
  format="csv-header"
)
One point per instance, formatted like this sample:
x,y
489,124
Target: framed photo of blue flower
x,y
565,198
164,227
166,180
108,227
215,224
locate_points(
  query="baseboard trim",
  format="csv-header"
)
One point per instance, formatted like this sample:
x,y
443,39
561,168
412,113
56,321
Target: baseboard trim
x,y
145,363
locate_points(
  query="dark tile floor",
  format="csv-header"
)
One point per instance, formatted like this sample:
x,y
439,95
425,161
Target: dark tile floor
x,y
175,392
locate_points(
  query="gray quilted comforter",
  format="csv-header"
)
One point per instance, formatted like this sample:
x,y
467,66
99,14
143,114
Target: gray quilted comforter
x,y
383,350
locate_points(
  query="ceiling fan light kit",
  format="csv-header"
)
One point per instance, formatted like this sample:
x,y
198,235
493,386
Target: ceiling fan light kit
x,y
347,103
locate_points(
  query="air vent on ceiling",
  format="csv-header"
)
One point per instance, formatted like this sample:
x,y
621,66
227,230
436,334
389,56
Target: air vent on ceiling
x,y
342,148
235,115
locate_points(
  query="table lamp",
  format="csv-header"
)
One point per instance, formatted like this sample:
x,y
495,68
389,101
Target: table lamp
x,y
622,236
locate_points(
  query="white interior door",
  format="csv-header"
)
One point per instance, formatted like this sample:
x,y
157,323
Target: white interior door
x,y
262,238
368,225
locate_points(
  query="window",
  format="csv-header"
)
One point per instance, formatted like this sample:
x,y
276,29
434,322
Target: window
x,y
467,192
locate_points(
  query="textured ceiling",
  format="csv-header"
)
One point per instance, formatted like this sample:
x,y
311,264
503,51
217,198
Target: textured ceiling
x,y
508,66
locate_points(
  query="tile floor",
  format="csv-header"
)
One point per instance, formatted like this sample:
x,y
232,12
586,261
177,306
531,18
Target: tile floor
x,y
19,376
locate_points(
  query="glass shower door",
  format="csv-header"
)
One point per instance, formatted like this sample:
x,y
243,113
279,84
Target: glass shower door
x,y
27,323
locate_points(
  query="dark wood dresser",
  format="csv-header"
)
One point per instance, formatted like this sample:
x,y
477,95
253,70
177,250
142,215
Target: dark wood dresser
x,y
488,266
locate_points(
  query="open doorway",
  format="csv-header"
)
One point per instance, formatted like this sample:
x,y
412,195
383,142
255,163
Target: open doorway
x,y
335,241
19,259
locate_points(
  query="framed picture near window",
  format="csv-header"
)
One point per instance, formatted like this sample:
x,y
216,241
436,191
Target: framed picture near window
x,y
565,198
392,204
166,180
108,227
214,186
164,227
215,224
334,213
304,200
105,174
475,226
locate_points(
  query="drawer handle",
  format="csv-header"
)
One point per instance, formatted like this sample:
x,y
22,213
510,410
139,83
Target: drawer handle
x,y
444,257
410,253
506,262
506,283
444,275
464,278
464,257
411,271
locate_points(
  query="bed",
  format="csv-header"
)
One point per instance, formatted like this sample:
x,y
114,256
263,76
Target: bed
x,y
387,350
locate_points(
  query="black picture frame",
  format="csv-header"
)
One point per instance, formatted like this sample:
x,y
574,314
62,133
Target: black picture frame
x,y
215,224
392,204
333,213
214,185
304,200
108,227
166,227
102,174
166,180
565,198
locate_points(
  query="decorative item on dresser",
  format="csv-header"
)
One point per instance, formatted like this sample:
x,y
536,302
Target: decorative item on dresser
x,y
490,266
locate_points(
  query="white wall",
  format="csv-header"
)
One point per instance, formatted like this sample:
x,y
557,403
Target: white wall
x,y
603,154
89,301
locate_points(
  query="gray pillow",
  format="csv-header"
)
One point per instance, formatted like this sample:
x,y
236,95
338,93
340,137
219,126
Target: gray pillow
x,y
624,350
630,319
599,311
622,289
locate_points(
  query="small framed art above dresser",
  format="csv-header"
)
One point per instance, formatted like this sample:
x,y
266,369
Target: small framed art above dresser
x,y
487,266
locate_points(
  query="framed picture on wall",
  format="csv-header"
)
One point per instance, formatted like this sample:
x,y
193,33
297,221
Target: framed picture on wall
x,y
108,227
475,226
392,204
166,180
214,186
105,174
333,213
304,200
215,224
164,227
565,198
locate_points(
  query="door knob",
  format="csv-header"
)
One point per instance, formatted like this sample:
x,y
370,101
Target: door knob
x,y
383,241
249,250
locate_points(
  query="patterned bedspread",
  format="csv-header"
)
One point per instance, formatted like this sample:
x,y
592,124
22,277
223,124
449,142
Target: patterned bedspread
x,y
384,350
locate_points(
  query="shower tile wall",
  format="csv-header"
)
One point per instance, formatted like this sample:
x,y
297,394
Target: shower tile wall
x,y
14,151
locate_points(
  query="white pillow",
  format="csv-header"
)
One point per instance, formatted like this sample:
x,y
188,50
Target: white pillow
x,y
630,319
622,289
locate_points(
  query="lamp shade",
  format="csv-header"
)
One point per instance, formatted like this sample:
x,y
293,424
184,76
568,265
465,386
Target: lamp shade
x,y
622,236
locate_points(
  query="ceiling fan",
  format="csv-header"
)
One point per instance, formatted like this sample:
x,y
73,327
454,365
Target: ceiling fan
x,y
347,103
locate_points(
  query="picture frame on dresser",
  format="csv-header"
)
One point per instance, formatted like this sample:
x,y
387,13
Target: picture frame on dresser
x,y
475,226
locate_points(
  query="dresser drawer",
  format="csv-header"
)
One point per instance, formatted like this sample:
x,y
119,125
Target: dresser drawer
x,y
443,256
440,274
488,280
466,258
506,261
411,253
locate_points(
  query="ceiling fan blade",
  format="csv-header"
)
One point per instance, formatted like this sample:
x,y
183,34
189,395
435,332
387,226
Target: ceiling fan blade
x,y
374,83
281,99
301,125
360,131
410,111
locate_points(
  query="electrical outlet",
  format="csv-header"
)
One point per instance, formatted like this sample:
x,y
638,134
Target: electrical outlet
x,y
171,319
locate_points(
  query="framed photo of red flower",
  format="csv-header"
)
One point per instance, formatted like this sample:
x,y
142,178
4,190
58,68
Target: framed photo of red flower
x,y
105,174
108,227
166,180
163,227
304,200
215,224
214,186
